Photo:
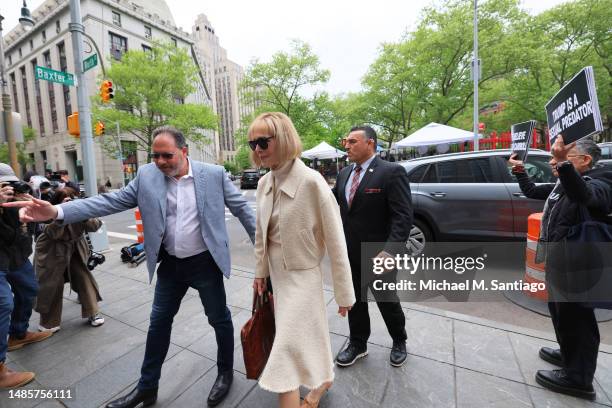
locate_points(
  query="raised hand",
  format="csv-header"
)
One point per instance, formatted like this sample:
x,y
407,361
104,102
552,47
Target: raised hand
x,y
34,211
559,149
514,162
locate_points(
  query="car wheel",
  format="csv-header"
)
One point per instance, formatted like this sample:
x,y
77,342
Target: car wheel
x,y
420,234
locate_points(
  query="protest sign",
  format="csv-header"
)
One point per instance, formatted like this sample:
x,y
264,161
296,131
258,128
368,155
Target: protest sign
x,y
574,110
521,138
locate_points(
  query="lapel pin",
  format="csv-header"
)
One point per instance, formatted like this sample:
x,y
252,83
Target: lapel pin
x,y
371,170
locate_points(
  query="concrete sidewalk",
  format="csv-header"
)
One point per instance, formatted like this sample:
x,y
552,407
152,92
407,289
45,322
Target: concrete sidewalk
x,y
454,360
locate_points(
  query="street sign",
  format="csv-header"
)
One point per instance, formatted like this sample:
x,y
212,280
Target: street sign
x,y
48,74
90,62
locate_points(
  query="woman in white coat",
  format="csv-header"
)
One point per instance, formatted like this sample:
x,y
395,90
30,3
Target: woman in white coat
x,y
297,220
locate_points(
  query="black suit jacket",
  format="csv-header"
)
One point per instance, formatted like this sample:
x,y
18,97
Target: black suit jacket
x,y
381,210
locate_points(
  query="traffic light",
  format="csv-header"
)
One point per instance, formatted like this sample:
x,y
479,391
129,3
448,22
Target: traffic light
x,y
99,128
73,124
106,91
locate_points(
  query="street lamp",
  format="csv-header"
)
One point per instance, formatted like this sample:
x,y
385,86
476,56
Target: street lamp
x,y
26,22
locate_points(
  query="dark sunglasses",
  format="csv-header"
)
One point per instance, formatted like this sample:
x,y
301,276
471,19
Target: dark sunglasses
x,y
262,142
165,156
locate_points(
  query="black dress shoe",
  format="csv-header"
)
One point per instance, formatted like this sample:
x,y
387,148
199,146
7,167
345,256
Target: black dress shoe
x,y
221,387
558,381
551,355
350,354
398,354
147,397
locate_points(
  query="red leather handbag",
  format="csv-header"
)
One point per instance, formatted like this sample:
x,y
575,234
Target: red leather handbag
x,y
257,335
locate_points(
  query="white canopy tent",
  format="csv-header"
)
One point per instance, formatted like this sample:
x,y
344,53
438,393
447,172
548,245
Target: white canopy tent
x,y
435,134
324,151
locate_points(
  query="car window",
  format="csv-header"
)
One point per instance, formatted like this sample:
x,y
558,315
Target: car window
x,y
537,168
605,152
417,174
431,176
465,171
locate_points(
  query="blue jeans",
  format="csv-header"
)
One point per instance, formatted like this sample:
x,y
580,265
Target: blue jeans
x,y
18,289
174,277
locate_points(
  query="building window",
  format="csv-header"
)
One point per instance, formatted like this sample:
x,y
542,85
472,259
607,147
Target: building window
x,y
43,33
118,45
37,94
14,88
148,32
26,96
116,19
57,27
146,48
61,50
173,40
20,53
10,60
51,89
31,45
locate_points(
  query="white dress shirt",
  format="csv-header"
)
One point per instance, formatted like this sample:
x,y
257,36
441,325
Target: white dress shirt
x,y
182,236
364,168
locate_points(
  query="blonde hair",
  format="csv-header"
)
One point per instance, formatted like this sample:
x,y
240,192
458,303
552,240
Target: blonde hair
x,y
280,126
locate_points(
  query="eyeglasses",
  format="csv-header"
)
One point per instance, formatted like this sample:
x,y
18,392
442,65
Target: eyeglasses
x,y
165,156
262,142
575,155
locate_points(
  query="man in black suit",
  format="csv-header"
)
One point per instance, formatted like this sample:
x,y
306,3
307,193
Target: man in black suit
x,y
376,207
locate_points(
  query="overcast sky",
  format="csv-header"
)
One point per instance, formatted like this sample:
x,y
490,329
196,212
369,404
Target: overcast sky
x,y
345,34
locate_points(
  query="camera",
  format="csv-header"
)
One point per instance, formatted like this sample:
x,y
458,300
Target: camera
x,y
55,177
94,260
19,187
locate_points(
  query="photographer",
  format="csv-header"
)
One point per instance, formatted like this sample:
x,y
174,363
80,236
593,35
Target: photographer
x,y
61,256
65,178
18,286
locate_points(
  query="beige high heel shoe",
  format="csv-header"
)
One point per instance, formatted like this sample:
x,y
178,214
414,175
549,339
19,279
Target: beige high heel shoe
x,y
308,403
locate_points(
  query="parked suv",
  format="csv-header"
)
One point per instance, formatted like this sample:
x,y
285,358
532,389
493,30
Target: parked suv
x,y
606,153
472,196
249,178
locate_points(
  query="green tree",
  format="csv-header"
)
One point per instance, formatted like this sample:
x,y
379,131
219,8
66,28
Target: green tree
x,y
23,158
426,76
281,85
558,43
150,91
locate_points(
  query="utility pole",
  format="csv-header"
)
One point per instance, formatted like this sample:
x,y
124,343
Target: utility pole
x,y
89,160
476,75
120,153
7,111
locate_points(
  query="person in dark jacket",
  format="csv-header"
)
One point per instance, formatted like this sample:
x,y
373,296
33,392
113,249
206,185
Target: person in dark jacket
x,y
580,184
18,285
61,256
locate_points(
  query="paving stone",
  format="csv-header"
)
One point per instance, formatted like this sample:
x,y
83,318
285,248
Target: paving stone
x,y
420,382
198,392
9,399
429,336
485,350
179,373
603,377
493,392
110,380
71,361
526,349
546,399
362,384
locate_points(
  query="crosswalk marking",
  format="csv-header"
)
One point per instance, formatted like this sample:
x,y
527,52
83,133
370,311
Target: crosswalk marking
x,y
122,236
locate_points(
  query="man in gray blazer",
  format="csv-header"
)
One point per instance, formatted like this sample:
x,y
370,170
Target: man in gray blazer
x,y
182,203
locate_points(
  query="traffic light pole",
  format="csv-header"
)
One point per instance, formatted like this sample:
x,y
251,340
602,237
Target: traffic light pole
x,y
88,157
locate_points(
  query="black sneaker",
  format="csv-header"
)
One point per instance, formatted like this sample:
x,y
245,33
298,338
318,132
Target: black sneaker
x,y
558,381
551,355
350,354
398,354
